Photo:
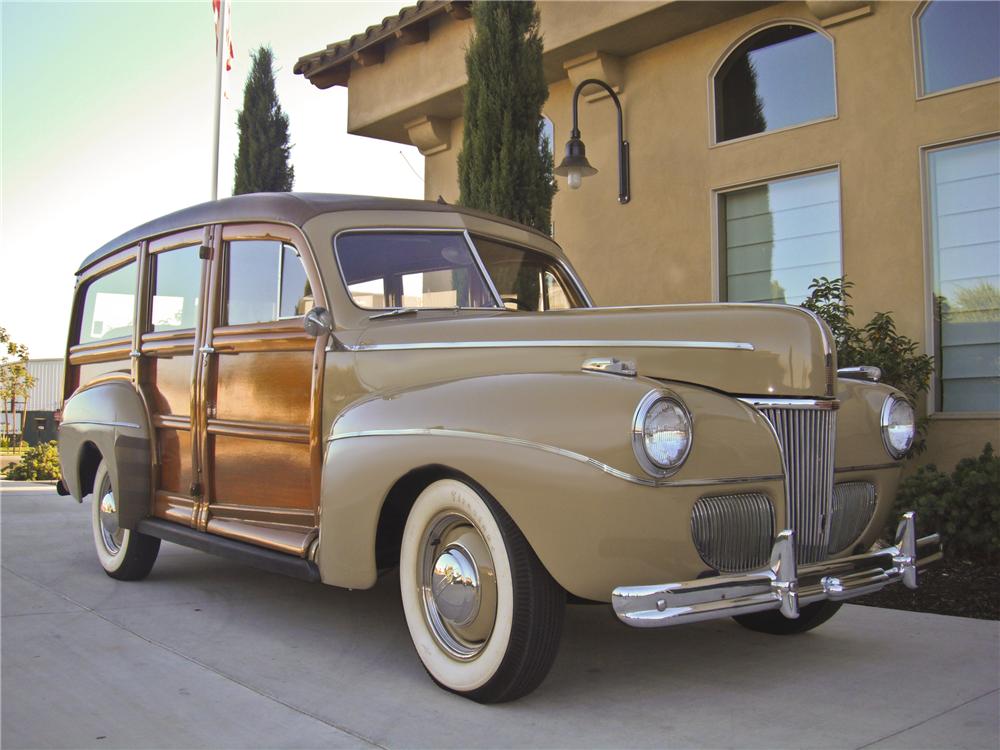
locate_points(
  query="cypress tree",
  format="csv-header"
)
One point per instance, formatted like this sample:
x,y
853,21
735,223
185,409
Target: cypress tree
x,y
262,159
506,166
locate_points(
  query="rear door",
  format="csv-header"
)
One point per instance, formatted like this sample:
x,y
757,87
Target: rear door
x,y
260,391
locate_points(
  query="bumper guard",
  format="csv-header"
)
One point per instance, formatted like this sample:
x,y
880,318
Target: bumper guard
x,y
781,585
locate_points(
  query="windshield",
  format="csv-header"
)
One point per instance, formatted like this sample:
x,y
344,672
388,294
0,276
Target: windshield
x,y
388,270
527,279
420,269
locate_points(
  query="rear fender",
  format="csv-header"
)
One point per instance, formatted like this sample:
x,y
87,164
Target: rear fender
x,y
111,418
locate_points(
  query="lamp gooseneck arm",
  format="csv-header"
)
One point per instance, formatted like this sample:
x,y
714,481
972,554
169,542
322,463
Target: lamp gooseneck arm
x,y
623,148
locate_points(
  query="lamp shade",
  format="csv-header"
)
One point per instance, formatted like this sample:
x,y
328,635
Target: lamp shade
x,y
575,160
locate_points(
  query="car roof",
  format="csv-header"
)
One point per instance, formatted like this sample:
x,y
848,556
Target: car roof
x,y
288,208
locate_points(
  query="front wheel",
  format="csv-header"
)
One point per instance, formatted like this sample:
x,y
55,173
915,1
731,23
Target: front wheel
x,y
484,614
773,622
124,554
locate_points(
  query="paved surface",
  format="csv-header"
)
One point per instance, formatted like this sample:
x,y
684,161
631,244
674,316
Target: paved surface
x,y
206,653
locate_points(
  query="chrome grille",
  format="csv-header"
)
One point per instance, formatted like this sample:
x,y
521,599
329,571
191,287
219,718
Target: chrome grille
x,y
806,433
733,532
853,508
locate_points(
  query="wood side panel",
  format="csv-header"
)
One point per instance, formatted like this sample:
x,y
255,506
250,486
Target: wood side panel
x,y
289,540
95,370
100,351
261,473
173,507
265,387
170,385
175,460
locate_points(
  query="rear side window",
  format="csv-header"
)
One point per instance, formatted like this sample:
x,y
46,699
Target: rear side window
x,y
266,281
176,289
411,269
109,306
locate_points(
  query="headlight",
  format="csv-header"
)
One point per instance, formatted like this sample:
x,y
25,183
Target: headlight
x,y
899,426
661,433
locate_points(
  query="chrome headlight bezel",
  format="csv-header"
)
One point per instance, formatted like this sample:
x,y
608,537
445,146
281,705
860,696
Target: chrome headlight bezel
x,y
651,466
887,407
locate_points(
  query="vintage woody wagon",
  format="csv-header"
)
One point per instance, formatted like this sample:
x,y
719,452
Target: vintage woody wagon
x,y
332,386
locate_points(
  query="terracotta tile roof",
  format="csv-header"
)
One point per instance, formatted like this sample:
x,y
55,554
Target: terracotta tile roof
x,y
331,66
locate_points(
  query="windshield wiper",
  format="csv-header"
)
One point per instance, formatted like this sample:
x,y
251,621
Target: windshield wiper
x,y
394,313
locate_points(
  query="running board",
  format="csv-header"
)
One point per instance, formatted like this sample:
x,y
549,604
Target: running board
x,y
250,554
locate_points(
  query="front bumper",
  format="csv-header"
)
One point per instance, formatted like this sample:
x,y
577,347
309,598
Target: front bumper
x,y
781,585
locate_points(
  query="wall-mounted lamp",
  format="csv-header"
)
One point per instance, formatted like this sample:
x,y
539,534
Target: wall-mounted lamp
x,y
574,166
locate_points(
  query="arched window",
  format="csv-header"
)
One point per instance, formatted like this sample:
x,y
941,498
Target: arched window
x,y
781,76
958,44
547,135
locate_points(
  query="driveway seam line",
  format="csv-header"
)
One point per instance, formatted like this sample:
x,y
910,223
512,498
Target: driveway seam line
x,y
198,663
929,718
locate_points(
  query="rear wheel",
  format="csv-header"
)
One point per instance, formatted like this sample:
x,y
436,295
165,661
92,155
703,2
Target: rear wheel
x,y
773,622
124,554
484,614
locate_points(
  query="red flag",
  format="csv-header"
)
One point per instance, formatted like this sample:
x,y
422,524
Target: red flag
x,y
230,55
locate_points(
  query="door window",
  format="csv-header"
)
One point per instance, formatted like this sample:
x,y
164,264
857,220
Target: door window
x,y
176,288
266,282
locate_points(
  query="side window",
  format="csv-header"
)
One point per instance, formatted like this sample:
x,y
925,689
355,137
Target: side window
x,y
109,306
777,237
265,281
779,77
176,286
958,44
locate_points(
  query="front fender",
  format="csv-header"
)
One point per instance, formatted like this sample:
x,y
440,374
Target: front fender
x,y
111,417
555,451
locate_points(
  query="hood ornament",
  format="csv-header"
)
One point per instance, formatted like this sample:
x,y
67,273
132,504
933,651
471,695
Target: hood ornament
x,y
610,365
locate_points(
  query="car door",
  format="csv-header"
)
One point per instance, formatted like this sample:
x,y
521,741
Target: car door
x,y
173,280
260,391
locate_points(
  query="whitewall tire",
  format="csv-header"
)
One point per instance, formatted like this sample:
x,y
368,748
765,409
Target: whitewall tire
x,y
124,554
484,614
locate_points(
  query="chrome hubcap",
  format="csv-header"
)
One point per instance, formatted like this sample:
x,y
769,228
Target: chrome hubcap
x,y
459,586
107,513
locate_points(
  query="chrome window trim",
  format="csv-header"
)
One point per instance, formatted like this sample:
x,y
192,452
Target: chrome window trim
x,y
618,473
464,233
651,467
563,343
482,269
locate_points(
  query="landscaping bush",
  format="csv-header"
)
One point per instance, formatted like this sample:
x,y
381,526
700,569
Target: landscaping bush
x,y
877,344
964,507
37,463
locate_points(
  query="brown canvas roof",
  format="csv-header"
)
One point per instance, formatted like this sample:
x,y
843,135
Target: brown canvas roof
x,y
289,208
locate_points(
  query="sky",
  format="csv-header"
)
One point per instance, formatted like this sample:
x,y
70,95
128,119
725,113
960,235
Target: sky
x,y
107,122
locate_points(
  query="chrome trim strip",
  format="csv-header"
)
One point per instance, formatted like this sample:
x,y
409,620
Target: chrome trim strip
x,y
555,343
864,372
868,467
646,482
791,403
102,424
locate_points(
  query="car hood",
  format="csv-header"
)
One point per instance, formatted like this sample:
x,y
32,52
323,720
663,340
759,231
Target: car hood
x,y
745,349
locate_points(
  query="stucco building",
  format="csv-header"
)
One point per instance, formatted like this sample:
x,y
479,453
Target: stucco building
x,y
771,143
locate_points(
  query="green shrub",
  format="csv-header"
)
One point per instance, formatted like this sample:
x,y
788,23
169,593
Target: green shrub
x,y
37,463
964,507
877,343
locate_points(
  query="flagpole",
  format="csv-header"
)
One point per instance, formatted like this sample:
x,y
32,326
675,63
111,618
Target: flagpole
x,y
220,47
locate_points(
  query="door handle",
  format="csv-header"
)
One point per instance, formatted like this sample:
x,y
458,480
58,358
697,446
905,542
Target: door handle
x,y
207,350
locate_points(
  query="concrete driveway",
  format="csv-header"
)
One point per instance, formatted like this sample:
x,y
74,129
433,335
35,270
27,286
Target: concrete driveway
x,y
206,653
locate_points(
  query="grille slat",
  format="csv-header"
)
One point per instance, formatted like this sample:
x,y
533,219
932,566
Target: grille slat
x,y
806,436
733,533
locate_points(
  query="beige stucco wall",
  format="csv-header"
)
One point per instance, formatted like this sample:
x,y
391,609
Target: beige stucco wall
x,y
662,247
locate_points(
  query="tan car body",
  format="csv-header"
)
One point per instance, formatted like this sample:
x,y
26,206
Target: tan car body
x,y
497,397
